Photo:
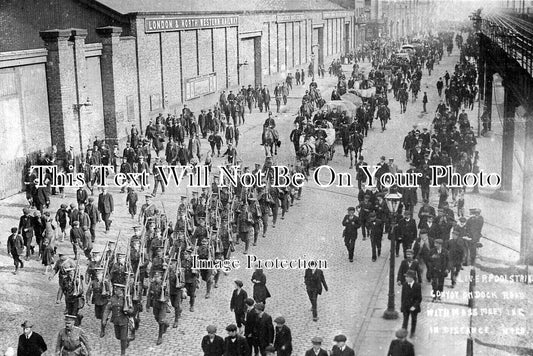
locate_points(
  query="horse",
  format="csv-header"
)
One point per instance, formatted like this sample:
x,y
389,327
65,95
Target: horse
x,y
306,110
384,116
355,146
271,141
322,152
304,155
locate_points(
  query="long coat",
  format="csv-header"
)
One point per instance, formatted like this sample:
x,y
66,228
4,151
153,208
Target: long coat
x,y
315,281
401,348
265,330
260,293
105,203
411,297
283,340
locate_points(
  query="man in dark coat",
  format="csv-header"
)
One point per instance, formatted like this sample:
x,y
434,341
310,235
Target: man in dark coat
x,y
340,349
234,344
317,349
283,339
265,328
409,264
82,195
30,343
438,268
15,247
411,299
238,303
400,346
407,230
26,230
375,231
250,326
212,344
105,207
474,226
351,224
314,280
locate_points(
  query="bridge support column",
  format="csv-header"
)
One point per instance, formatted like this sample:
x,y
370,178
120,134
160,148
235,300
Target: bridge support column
x,y
526,234
509,107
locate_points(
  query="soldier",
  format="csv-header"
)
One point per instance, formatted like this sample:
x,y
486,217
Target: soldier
x,y
176,285
205,253
118,271
255,210
119,317
158,298
212,344
73,291
191,277
97,293
245,222
71,340
351,224
147,210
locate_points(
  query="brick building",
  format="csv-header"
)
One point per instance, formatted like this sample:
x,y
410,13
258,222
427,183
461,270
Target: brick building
x,y
71,70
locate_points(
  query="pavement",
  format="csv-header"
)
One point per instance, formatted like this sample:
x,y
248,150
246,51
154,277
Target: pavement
x,y
357,295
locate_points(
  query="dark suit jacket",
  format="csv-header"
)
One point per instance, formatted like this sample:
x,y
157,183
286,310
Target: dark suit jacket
x,y
215,348
265,330
105,203
401,348
408,230
34,346
336,351
404,267
375,229
311,352
314,281
250,326
82,196
238,301
283,338
237,348
411,297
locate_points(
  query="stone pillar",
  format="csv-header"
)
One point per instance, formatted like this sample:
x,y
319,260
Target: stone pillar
x,y
526,234
80,77
509,107
488,93
109,64
60,81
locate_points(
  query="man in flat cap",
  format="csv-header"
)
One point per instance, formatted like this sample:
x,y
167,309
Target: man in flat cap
x,y
283,339
15,248
30,343
340,349
351,224
250,326
409,264
317,349
235,344
71,340
265,328
474,226
438,268
212,344
374,227
411,299
400,346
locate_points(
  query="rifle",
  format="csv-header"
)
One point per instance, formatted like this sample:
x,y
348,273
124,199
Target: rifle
x,y
128,303
105,282
180,274
78,283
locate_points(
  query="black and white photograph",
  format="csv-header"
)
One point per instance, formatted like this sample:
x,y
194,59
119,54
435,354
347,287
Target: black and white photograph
x,y
266,177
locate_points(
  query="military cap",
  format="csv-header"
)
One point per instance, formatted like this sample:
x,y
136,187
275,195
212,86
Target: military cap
x,y
137,227
118,285
251,199
316,340
194,193
189,250
95,252
410,273
158,272
211,329
231,327
351,208
120,254
401,333
475,211
250,301
183,197
280,320
260,306
91,199
148,196
462,218
26,324
70,317
409,250
76,223
238,282
438,241
339,338
69,269
372,214
99,269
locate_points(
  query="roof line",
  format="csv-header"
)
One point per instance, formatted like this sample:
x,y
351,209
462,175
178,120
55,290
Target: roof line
x,y
105,10
207,14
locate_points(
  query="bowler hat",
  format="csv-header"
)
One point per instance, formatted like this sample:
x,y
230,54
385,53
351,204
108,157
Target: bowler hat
x,y
26,324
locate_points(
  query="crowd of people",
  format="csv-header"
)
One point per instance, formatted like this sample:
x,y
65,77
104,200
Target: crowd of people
x,y
155,270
